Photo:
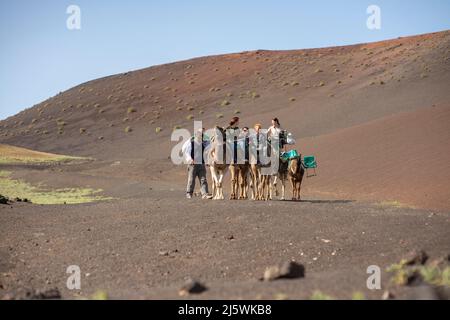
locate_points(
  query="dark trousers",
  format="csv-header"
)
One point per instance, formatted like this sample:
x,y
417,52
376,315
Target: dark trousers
x,y
197,171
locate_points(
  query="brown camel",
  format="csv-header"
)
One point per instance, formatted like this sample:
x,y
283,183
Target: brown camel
x,y
218,167
296,172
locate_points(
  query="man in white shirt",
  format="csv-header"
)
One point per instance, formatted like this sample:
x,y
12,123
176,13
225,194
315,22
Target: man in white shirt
x,y
193,153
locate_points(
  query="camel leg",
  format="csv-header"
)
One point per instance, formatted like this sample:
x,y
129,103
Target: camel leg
x,y
283,188
241,182
213,178
219,187
261,187
269,188
293,187
266,189
233,172
255,190
300,185
251,185
254,177
275,182
243,172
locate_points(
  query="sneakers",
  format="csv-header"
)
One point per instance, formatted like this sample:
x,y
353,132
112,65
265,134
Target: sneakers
x,y
205,196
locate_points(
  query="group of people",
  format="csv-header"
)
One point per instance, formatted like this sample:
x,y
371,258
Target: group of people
x,y
193,151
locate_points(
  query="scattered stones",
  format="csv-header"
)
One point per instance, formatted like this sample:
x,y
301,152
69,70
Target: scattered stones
x,y
30,294
192,287
287,270
230,237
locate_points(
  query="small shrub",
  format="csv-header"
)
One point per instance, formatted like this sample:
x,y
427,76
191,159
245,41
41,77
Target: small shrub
x,y
190,117
82,130
358,296
219,116
225,103
128,129
158,129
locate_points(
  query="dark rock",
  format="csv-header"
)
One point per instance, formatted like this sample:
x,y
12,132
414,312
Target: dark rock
x,y
30,294
287,270
48,294
443,292
292,270
3,200
414,279
416,258
192,287
422,292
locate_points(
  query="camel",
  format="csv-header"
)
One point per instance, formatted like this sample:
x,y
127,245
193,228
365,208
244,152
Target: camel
x,y
295,173
239,175
218,168
282,176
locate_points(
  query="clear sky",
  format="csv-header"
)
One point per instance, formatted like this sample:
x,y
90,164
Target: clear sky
x,y
40,56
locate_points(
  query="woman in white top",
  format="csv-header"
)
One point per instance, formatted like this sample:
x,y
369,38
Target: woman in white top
x,y
275,129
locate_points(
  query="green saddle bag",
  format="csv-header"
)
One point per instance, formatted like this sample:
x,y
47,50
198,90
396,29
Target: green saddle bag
x,y
309,162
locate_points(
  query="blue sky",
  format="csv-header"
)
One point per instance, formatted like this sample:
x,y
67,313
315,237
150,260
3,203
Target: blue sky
x,y
40,57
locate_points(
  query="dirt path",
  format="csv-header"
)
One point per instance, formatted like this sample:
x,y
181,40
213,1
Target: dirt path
x,y
146,246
